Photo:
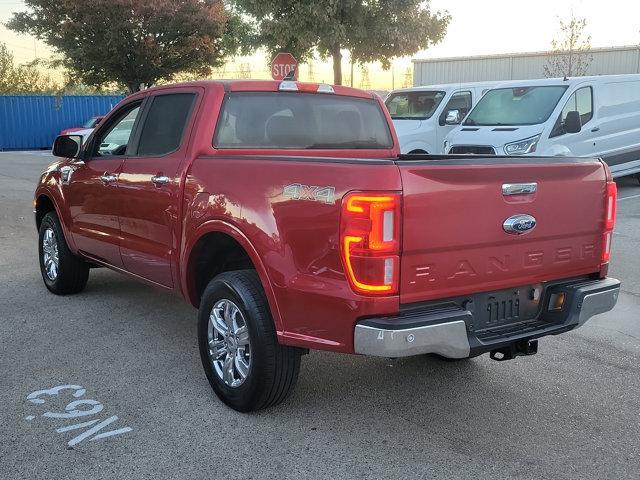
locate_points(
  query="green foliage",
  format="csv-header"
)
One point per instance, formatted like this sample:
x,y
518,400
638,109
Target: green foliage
x,y
133,43
23,78
572,55
375,30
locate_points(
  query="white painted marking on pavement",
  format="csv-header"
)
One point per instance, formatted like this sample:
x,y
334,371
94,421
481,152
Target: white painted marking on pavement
x,y
72,411
628,198
92,430
75,426
111,433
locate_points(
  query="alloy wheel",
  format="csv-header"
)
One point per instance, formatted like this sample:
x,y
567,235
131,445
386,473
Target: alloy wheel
x,y
50,256
229,344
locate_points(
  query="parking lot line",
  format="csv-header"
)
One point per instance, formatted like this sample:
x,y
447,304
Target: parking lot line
x,y
628,198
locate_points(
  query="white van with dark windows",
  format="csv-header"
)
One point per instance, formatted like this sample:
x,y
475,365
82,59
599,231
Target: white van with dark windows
x,y
582,116
424,116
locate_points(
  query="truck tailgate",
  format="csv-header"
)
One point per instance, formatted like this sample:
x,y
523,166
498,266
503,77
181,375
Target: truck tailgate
x,y
453,240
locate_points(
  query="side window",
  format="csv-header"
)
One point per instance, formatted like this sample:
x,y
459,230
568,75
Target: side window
x,y
165,123
461,101
580,101
398,105
114,140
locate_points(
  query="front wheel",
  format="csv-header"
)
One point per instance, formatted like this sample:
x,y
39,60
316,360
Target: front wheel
x,y
246,366
63,272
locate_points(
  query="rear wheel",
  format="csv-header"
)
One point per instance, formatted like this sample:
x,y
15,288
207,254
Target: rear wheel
x,y
418,152
63,272
246,366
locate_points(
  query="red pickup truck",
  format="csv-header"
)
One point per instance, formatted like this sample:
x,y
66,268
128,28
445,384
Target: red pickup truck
x,y
284,212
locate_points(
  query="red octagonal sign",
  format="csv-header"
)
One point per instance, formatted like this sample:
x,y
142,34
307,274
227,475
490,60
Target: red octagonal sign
x,y
282,64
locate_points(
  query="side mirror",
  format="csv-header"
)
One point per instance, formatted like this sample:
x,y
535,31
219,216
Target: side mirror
x,y
573,122
67,146
452,117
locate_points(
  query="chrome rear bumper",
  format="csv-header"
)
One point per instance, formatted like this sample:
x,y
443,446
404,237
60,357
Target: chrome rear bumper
x,y
448,339
447,329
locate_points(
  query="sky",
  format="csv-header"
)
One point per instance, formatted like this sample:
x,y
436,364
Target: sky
x,y
477,28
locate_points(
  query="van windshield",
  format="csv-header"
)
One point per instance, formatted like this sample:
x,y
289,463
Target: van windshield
x,y
516,106
413,105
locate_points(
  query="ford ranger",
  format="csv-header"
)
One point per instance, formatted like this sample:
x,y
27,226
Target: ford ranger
x,y
285,214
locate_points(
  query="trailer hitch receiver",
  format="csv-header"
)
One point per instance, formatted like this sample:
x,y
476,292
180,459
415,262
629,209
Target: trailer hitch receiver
x,y
523,347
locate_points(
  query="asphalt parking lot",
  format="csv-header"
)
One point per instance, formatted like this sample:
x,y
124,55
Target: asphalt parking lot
x,y
570,412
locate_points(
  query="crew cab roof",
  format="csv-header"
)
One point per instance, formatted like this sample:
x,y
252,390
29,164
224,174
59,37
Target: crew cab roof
x,y
258,86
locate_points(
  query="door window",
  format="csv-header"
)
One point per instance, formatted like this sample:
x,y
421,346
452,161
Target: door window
x,y
580,101
165,124
115,138
460,101
418,105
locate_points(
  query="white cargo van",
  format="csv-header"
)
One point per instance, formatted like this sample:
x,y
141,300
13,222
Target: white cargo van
x,y
424,116
582,116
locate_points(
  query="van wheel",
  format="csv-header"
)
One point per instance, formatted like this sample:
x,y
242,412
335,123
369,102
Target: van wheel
x,y
246,366
63,272
418,152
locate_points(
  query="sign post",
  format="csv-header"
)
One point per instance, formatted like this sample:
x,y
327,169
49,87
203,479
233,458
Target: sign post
x,y
282,64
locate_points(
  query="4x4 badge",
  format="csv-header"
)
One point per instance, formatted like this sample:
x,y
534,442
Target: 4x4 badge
x,y
297,191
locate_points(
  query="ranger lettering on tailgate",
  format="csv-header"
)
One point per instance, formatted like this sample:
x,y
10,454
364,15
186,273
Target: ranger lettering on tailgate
x,y
529,260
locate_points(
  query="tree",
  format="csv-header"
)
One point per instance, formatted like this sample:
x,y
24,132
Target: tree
x,y
134,43
374,30
571,53
23,78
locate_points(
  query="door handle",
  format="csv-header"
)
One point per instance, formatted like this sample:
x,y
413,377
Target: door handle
x,y
160,180
108,178
595,129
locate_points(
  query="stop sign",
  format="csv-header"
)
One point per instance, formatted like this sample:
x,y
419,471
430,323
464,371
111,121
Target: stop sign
x,y
282,64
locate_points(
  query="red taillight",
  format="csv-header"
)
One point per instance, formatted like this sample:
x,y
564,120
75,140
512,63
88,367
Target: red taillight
x,y
609,220
612,197
370,241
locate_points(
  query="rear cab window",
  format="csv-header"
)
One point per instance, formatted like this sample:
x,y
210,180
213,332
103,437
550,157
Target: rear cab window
x,y
295,120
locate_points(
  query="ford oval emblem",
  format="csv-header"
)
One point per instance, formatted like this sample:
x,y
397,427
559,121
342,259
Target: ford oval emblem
x,y
519,224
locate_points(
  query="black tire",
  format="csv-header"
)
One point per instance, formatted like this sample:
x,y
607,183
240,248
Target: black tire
x,y
72,271
418,152
273,368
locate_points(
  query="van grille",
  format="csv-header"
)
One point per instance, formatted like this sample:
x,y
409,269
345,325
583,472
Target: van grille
x,y
472,149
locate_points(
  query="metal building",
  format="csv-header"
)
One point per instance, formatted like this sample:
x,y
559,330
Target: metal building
x,y
30,122
517,66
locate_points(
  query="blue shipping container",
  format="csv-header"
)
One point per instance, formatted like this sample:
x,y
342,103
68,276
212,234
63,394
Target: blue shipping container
x,y
33,121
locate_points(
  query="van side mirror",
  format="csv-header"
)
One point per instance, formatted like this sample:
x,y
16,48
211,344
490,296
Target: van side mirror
x,y
572,122
452,117
68,146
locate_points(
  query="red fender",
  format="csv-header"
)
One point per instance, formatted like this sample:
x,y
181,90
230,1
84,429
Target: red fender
x,y
211,226
63,221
